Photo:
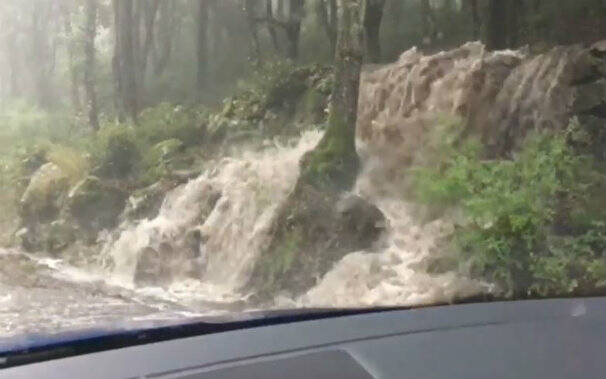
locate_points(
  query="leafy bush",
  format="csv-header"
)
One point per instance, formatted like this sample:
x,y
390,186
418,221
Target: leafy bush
x,y
276,85
166,121
73,162
116,151
528,222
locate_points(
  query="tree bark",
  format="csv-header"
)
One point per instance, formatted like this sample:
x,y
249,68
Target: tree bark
x,y
311,214
514,24
249,8
166,30
201,46
496,33
372,27
150,12
89,64
41,54
475,19
116,66
13,90
336,152
430,31
124,57
271,28
71,56
326,10
293,27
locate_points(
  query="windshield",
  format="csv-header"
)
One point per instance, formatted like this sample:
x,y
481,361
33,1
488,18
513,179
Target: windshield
x,y
166,160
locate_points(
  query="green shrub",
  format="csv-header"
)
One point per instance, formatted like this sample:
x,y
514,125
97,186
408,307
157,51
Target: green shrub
x,y
116,151
276,85
166,121
528,222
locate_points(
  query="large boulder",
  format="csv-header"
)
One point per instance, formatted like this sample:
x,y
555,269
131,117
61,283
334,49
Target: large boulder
x,y
94,205
316,229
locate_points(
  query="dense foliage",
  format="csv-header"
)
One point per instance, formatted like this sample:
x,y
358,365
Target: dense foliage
x,y
531,223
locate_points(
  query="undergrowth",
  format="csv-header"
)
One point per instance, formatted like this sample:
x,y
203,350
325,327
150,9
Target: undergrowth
x,y
531,224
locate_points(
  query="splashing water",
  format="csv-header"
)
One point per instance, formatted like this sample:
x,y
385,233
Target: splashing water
x,y
231,206
396,274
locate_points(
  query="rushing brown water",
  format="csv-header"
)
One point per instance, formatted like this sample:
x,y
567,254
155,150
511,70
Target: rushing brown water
x,y
155,269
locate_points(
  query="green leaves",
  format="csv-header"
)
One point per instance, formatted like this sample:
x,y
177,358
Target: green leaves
x,y
529,222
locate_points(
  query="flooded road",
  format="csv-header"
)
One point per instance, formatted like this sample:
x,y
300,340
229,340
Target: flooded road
x,y
38,296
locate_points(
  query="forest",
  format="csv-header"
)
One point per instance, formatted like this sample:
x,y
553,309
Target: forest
x,y
108,108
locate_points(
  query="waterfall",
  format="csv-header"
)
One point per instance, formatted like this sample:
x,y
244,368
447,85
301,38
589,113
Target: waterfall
x,y
231,207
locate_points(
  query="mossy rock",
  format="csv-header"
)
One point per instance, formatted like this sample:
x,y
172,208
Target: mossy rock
x,y
42,200
315,230
94,205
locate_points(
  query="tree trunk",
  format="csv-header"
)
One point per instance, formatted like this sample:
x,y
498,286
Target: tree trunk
x,y
89,64
13,90
372,28
125,58
150,12
249,8
514,24
336,152
475,19
326,11
116,66
496,32
41,57
430,30
293,27
71,56
271,28
201,46
167,25
311,216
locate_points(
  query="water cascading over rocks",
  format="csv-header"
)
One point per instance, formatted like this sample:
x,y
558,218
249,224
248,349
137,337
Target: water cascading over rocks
x,y
203,246
500,95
